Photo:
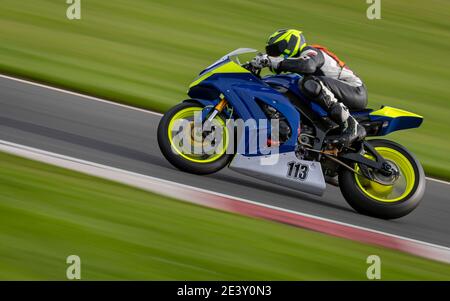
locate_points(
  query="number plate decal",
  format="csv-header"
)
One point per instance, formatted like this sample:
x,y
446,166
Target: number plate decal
x,y
297,170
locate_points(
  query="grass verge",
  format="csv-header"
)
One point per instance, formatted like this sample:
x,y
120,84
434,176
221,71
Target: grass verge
x,y
48,213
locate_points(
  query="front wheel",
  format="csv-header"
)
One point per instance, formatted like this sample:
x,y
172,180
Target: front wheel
x,y
386,201
179,122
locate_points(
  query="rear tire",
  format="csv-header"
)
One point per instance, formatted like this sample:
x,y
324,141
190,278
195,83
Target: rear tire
x,y
178,160
366,201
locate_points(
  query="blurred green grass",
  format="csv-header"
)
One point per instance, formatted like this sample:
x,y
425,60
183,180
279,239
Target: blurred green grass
x,y
145,53
48,213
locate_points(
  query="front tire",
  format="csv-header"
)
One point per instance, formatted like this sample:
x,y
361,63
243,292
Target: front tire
x,y
386,202
196,164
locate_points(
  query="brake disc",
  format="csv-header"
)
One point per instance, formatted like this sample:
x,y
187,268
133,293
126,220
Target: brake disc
x,y
394,171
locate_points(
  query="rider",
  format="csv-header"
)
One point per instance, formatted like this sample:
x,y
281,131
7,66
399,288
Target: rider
x,y
327,79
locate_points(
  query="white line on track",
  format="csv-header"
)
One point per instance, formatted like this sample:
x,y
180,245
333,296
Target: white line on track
x,y
438,181
83,96
87,97
145,182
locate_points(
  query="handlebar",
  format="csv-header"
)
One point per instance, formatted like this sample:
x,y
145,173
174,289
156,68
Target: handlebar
x,y
253,69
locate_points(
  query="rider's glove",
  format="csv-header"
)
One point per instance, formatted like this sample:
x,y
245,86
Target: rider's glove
x,y
274,62
260,61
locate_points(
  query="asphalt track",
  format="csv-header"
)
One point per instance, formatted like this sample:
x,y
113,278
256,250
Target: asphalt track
x,y
125,138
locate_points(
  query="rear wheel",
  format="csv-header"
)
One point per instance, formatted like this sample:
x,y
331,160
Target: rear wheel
x,y
403,193
180,120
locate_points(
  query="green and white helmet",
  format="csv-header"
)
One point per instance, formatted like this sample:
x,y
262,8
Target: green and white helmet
x,y
285,42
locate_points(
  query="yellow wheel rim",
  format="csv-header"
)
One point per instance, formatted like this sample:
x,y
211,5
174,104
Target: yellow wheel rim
x,y
188,114
400,188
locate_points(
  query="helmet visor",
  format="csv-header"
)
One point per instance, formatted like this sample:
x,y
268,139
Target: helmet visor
x,y
276,49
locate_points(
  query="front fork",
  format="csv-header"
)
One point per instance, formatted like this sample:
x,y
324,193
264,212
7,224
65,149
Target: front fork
x,y
208,114
218,108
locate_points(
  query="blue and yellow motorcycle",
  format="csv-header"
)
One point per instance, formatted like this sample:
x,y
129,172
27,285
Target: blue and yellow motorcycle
x,y
377,177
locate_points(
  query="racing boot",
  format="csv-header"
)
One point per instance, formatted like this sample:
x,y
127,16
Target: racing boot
x,y
351,130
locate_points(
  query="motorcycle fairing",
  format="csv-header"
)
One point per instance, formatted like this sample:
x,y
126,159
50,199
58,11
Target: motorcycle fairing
x,y
288,171
387,120
289,82
395,119
243,91
225,66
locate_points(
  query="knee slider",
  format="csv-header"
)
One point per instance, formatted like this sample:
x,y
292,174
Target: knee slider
x,y
311,87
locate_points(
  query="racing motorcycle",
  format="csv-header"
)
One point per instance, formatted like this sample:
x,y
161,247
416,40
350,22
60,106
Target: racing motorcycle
x,y
377,177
